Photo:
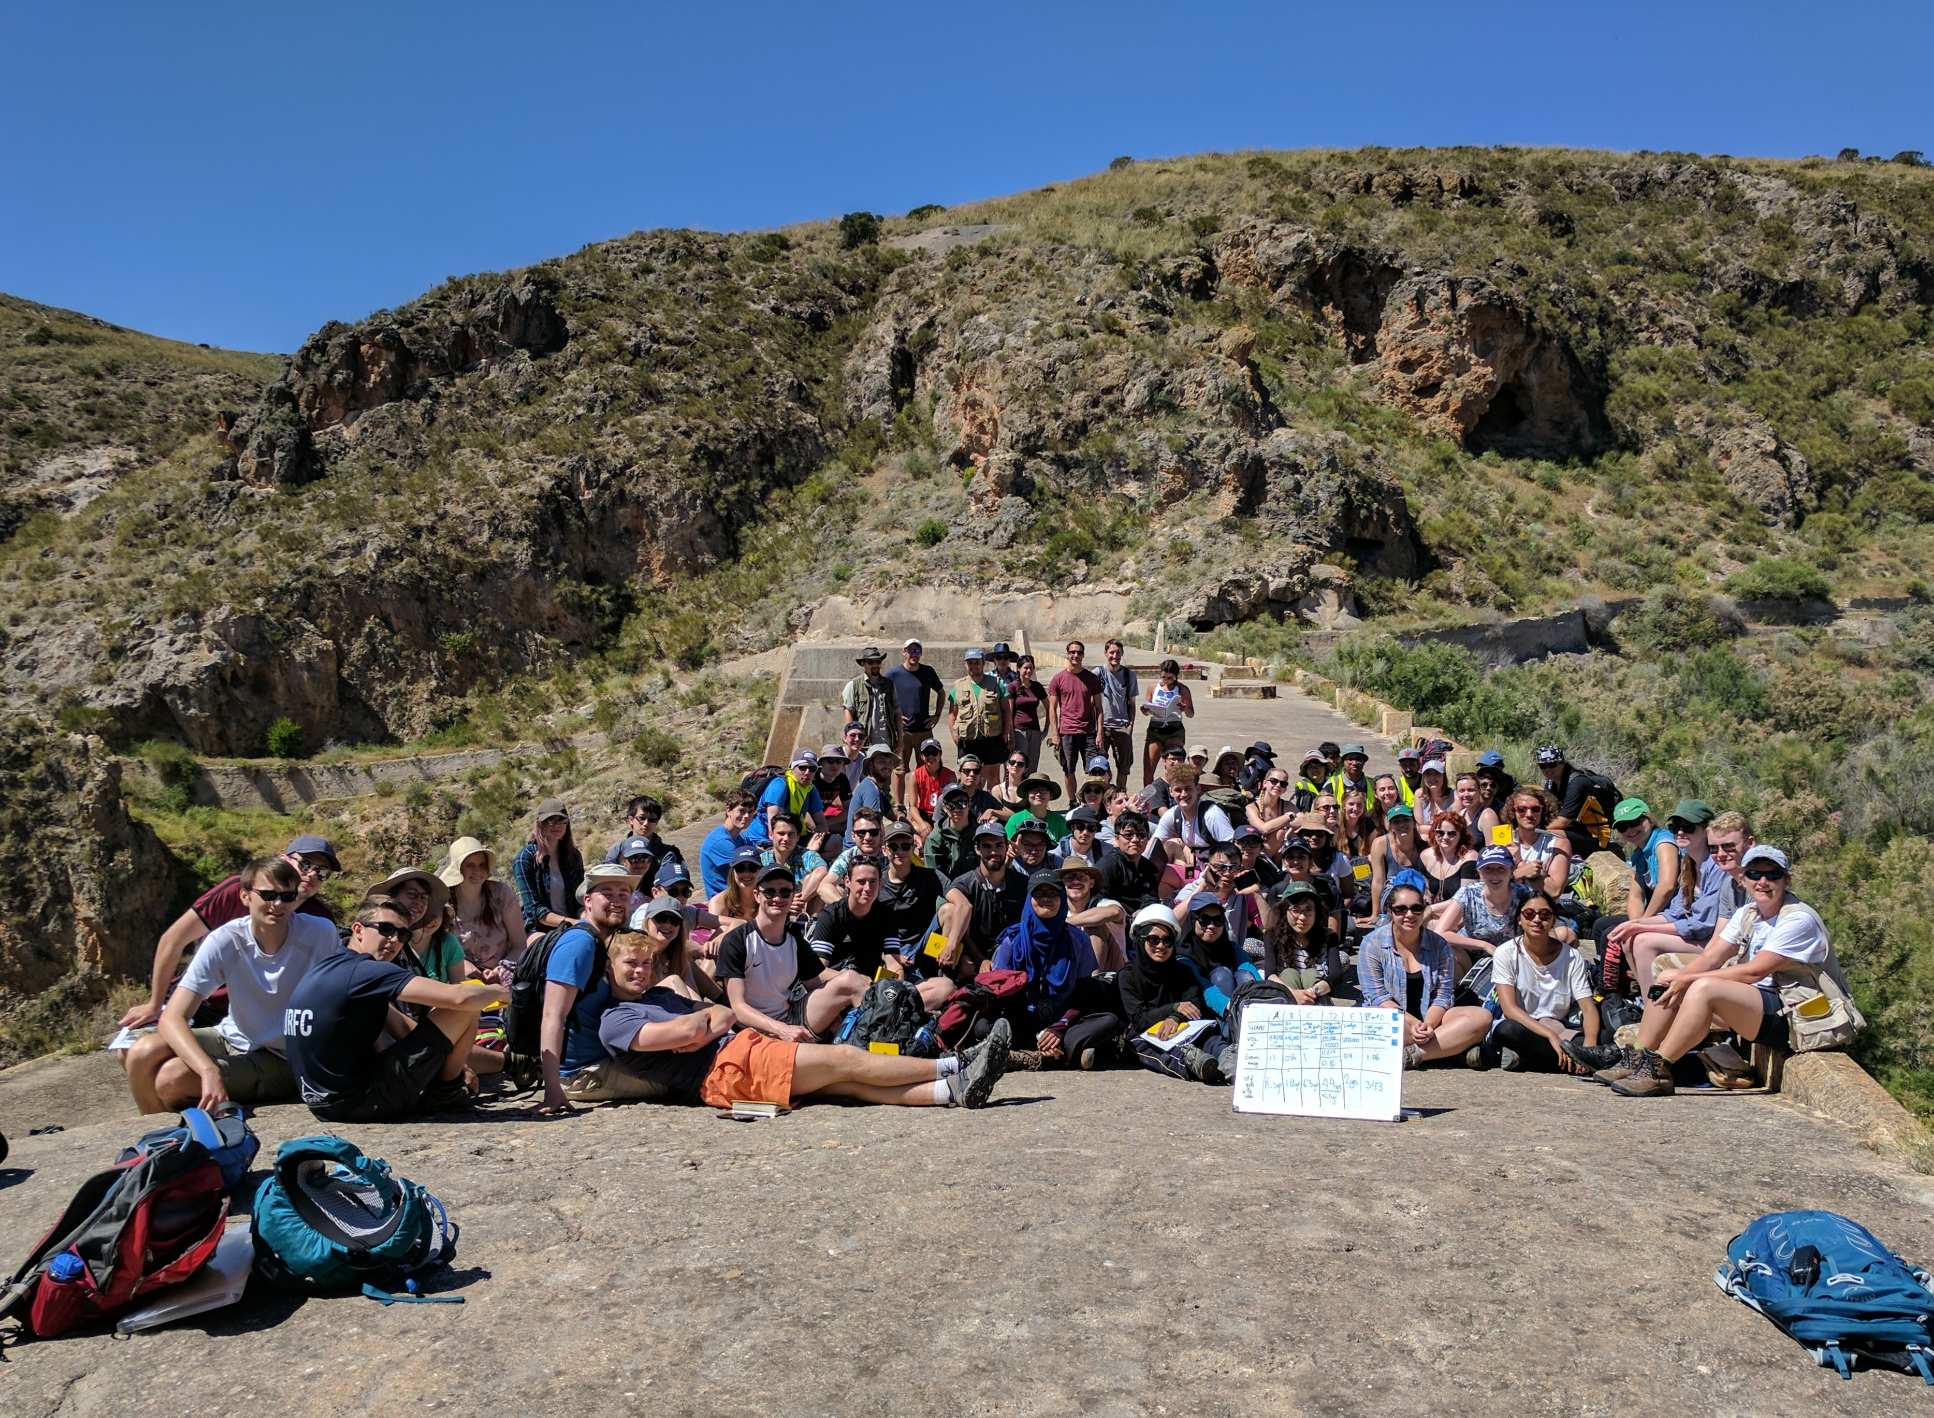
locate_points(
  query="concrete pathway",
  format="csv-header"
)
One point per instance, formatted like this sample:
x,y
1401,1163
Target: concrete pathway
x,y
1291,723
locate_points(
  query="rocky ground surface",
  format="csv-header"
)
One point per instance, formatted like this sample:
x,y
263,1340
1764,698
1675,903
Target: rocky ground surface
x,y
1105,1244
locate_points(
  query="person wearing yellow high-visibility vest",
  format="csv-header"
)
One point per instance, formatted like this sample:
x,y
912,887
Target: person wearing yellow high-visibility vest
x,y
1409,775
1351,774
1312,782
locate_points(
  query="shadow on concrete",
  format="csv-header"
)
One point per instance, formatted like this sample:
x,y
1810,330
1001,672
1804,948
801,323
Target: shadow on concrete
x,y
14,1176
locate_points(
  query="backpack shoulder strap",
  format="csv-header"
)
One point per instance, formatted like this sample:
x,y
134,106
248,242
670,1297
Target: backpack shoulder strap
x,y
202,1128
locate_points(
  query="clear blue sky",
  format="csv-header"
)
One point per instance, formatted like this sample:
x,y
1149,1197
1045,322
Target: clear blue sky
x,y
240,173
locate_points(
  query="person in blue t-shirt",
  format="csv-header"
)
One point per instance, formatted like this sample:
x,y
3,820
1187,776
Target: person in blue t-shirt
x,y
722,843
576,992
356,1057
791,792
871,794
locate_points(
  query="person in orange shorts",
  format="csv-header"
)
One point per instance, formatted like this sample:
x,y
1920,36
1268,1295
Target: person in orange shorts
x,y
695,1052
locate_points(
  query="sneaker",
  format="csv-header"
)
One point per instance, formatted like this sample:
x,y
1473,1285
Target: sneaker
x,y
1593,1057
1201,1065
1024,1061
1628,1062
1509,1061
973,1084
1085,1060
1480,1057
1413,1056
1651,1078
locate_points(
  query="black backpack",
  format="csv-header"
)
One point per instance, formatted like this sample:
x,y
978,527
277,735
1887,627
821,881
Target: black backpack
x,y
759,779
524,1015
1247,993
890,1012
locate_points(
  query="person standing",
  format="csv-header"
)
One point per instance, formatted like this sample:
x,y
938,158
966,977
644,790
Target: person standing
x,y
978,712
1119,689
867,699
918,696
1074,713
1027,701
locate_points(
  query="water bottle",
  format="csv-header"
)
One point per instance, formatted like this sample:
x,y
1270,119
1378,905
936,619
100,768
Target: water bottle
x,y
65,1268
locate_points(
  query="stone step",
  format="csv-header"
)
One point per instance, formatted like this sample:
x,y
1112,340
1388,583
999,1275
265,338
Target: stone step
x,y
1260,690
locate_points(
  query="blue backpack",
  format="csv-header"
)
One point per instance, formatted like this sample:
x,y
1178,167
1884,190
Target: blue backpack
x,y
224,1136
1830,1285
330,1221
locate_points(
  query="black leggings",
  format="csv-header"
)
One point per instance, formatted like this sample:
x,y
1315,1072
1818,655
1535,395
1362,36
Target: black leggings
x,y
1533,1049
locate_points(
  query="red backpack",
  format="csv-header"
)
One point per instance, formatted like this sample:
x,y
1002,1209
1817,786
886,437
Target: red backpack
x,y
990,995
153,1219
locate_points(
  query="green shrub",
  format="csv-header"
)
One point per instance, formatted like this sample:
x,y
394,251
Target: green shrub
x,y
1117,164
1913,399
930,533
1670,621
1779,578
858,229
925,210
176,767
284,738
654,748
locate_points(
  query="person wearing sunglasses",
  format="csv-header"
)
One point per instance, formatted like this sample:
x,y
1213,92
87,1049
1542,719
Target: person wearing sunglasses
x,y
738,902
772,978
1774,936
356,1057
1405,967
1161,995
1543,857
315,863
1539,984
1692,914
259,959
1274,809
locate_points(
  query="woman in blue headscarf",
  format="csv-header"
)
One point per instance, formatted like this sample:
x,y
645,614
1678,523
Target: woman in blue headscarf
x,y
1071,1013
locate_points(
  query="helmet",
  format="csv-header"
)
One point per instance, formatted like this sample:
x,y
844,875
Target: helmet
x,y
1155,915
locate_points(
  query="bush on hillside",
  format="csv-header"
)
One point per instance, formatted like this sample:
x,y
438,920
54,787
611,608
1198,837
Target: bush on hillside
x,y
284,739
858,229
1779,578
1670,622
930,533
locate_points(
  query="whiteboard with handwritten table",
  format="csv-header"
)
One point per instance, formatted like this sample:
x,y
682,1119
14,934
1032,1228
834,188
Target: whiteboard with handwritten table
x,y
1321,1061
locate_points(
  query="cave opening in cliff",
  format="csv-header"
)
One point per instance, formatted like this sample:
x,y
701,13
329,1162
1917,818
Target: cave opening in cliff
x,y
1504,423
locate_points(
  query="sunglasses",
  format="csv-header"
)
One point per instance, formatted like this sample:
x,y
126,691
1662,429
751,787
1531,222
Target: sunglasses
x,y
1277,782
1539,915
387,930
899,844
1406,910
1158,938
1529,810
1764,874
679,892
1205,921
866,832
1731,849
314,866
1017,763
776,893
748,867
283,897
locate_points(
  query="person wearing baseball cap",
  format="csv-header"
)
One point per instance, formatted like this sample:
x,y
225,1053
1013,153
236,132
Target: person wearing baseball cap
x,y
979,717
1351,774
1484,913
873,792
929,778
1649,942
576,992
1585,801
1776,939
835,790
1494,785
1312,780
867,699
949,848
796,792
918,697
314,860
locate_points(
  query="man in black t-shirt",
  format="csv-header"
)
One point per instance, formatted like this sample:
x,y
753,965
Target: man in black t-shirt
x,y
1127,874
918,696
981,904
1585,803
861,932
909,894
355,1056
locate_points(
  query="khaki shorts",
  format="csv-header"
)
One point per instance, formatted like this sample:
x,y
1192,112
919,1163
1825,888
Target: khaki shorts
x,y
259,1076
613,1081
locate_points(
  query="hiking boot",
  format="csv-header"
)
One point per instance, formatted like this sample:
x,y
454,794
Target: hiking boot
x,y
973,1084
1413,1056
1593,1057
446,1096
1651,1078
1087,1059
1480,1057
1201,1065
1024,1060
1509,1061
1628,1062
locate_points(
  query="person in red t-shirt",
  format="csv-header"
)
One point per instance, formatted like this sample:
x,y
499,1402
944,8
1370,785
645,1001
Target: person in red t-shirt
x,y
928,779
315,862
1074,714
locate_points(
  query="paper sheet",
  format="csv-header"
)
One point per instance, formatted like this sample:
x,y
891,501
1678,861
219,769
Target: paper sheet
x,y
1320,1061
1194,1029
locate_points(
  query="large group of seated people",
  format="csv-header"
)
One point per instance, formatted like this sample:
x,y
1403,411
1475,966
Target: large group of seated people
x,y
1140,895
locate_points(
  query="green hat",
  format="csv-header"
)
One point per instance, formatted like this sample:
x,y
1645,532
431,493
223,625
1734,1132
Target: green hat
x,y
1293,889
1692,812
1630,810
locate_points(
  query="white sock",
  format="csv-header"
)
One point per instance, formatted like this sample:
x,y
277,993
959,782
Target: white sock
x,y
948,1066
943,1092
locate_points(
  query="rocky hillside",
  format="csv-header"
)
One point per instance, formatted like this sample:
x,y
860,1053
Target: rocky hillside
x,y
1408,380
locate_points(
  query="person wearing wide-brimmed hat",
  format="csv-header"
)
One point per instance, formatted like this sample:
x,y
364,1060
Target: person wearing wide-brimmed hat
x,y
547,871
1037,791
489,925
433,945
867,699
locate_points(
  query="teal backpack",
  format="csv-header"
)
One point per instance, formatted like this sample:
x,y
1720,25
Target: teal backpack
x,y
330,1221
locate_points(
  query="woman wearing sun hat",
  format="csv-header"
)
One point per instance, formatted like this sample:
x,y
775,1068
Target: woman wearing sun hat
x,y
489,925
